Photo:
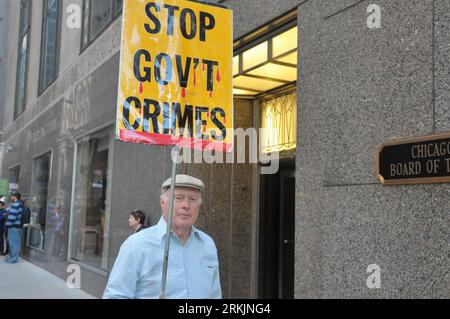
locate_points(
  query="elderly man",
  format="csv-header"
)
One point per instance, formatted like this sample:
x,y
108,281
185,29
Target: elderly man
x,y
193,269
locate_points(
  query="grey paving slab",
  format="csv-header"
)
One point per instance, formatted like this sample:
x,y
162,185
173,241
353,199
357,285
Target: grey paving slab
x,y
27,281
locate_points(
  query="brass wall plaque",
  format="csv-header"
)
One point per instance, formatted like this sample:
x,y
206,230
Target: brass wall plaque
x,y
420,160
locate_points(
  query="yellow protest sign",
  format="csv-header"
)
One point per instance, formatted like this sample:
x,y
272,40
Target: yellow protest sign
x,y
175,82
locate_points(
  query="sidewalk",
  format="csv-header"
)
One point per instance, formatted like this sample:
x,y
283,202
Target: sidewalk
x,y
27,281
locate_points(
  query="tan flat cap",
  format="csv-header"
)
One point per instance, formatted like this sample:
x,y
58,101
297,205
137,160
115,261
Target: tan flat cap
x,y
184,181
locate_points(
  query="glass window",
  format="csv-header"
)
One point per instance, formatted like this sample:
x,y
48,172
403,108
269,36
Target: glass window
x,y
25,9
86,10
236,65
279,123
91,209
21,76
255,55
49,54
100,15
276,72
118,4
39,197
268,65
285,42
97,16
13,179
256,84
290,58
22,61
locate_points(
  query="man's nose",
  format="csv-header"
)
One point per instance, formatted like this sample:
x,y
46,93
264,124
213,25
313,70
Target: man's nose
x,y
186,204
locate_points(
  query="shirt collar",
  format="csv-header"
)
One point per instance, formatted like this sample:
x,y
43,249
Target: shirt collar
x,y
161,229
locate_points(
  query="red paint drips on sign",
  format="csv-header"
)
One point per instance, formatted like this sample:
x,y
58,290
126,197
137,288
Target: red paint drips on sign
x,y
218,75
141,88
183,92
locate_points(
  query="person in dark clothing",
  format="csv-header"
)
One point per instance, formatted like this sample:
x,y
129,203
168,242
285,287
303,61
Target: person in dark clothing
x,y
2,228
14,225
136,221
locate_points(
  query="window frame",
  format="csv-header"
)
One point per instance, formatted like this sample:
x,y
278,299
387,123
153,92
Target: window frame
x,y
25,86
115,13
70,258
269,96
17,165
33,175
268,36
41,88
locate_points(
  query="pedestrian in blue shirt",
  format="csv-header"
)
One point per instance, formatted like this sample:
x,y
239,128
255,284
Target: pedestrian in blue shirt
x,y
2,227
14,226
193,267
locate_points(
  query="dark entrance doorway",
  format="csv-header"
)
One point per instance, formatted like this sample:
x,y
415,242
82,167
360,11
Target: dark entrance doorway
x,y
277,233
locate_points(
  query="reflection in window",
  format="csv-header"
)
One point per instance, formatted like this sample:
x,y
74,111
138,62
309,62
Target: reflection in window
x,y
97,15
39,197
22,62
279,123
13,179
101,15
49,55
90,210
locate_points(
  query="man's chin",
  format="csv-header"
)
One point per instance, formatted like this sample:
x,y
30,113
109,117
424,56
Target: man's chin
x,y
184,218
184,223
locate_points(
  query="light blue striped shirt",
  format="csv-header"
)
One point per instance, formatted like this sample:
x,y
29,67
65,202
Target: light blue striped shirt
x,y
193,270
